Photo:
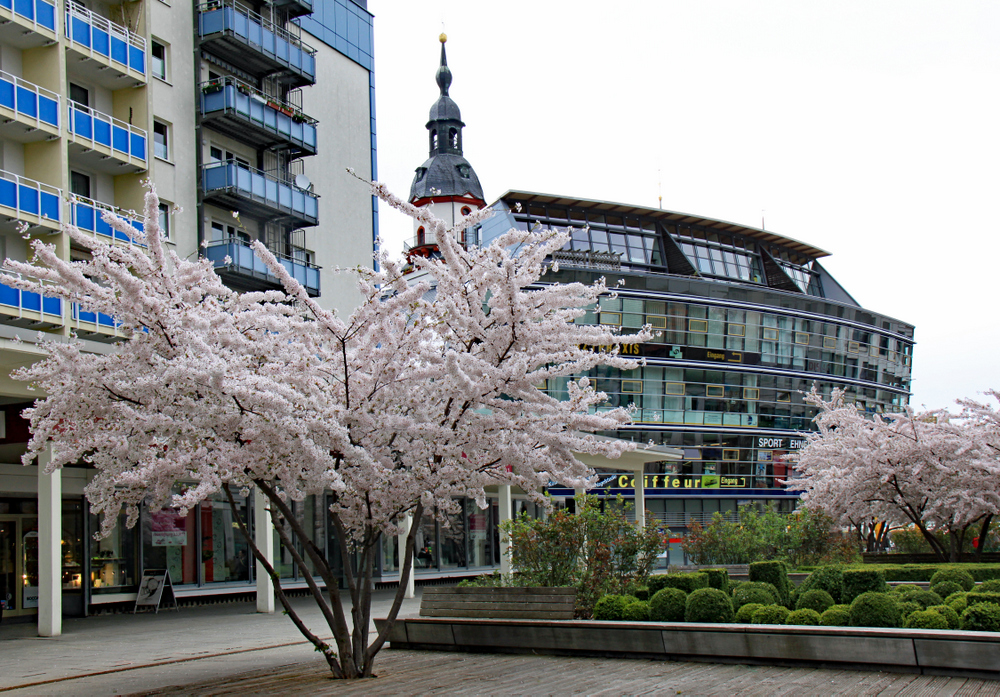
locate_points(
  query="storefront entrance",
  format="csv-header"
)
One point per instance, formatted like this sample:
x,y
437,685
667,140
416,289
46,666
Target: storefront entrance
x,y
18,564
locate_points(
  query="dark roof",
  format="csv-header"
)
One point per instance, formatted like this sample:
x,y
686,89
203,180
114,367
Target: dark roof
x,y
667,216
444,109
442,173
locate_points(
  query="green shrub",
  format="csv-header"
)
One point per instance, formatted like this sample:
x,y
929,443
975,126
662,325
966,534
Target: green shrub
x,y
826,578
733,585
667,605
642,593
612,607
718,578
873,609
770,614
948,612
977,598
952,575
905,588
636,611
958,602
836,616
924,572
744,614
842,606
859,581
816,599
981,617
906,608
708,605
925,619
775,573
946,588
990,586
687,582
755,592
805,616
923,598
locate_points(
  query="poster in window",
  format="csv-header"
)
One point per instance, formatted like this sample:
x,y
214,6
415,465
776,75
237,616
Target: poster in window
x,y
168,528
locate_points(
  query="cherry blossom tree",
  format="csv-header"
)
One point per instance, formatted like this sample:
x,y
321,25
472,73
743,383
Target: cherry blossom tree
x,y
426,392
931,469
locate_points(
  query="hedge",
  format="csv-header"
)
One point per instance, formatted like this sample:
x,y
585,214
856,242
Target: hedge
x,y
745,613
667,605
924,572
806,616
755,592
636,611
775,573
977,598
612,607
859,581
770,614
923,598
925,619
836,616
952,575
708,605
949,614
906,608
946,588
718,578
984,617
687,582
827,578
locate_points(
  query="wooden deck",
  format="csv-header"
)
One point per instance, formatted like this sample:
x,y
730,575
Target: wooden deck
x,y
434,673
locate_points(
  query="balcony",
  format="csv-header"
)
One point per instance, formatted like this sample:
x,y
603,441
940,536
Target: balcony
x,y
254,44
237,264
96,326
236,109
28,112
25,200
99,44
27,23
103,142
88,216
22,308
295,8
239,188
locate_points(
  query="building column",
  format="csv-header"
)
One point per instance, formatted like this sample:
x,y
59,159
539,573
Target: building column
x,y
49,547
401,543
506,513
263,537
640,499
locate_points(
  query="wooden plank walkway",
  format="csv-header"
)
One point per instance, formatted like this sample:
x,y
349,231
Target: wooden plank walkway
x,y
436,673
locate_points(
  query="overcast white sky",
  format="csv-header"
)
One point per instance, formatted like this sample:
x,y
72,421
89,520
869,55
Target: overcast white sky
x,y
868,129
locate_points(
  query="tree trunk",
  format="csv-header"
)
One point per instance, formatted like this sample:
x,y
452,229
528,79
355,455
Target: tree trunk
x,y
984,530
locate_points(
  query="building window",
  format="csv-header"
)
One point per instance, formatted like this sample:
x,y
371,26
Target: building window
x,y
673,388
829,342
737,330
783,396
801,338
731,454
158,63
79,184
853,347
656,321
769,334
715,391
632,386
421,236
466,210
161,143
611,318
79,94
751,393
698,325
164,219
228,233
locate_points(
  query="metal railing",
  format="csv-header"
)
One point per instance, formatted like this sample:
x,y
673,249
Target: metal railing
x,y
21,300
260,187
235,253
39,12
270,113
102,37
29,100
88,215
98,128
26,195
96,318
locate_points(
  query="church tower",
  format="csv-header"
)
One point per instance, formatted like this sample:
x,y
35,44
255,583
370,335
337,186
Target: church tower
x,y
446,178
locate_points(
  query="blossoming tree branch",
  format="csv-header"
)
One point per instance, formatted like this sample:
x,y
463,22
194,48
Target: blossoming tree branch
x,y
426,392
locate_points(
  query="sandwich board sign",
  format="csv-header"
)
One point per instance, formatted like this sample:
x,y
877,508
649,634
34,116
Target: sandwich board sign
x,y
155,587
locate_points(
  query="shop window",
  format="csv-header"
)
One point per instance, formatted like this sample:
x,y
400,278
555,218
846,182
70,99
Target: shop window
x,y
737,330
715,391
698,325
829,342
801,338
632,386
733,454
751,393
611,318
673,388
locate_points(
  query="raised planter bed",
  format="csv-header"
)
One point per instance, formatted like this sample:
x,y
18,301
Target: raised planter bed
x,y
517,603
896,650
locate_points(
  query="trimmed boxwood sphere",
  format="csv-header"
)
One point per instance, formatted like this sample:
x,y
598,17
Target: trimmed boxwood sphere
x,y
755,592
925,619
744,614
836,616
708,605
825,578
688,581
816,599
981,617
923,598
636,611
946,588
991,586
948,612
906,607
860,581
874,610
612,607
805,616
667,605
959,576
957,601
770,614
906,588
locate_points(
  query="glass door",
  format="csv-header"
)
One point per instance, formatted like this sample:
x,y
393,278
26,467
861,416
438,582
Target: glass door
x,y
8,566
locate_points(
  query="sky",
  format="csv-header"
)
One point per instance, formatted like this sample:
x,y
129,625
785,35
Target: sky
x,y
868,129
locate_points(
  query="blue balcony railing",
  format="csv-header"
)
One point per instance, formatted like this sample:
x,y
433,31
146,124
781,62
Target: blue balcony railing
x,y
20,300
98,318
26,196
88,215
101,129
235,256
29,100
251,185
231,96
102,37
41,13
275,44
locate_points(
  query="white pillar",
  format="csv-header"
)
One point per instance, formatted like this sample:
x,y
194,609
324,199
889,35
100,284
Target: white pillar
x,y
506,513
640,500
49,548
263,537
401,543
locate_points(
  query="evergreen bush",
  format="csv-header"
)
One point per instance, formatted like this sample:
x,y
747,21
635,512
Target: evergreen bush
x,y
905,588
744,614
805,616
816,599
946,588
925,619
636,611
952,575
642,593
708,605
923,598
687,582
718,578
977,598
755,592
958,602
873,609
906,608
990,586
826,578
770,614
733,585
775,573
836,616
860,581
981,617
612,607
948,612
667,605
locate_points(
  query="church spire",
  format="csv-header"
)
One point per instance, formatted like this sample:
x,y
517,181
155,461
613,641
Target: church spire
x,y
444,73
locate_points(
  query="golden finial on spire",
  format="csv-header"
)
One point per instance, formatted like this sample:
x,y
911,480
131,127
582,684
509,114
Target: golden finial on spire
x,y
443,37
